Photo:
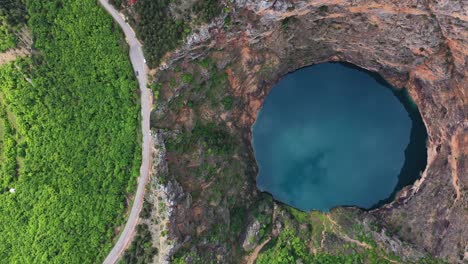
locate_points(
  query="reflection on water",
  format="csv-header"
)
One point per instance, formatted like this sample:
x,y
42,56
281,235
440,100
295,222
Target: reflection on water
x,y
331,135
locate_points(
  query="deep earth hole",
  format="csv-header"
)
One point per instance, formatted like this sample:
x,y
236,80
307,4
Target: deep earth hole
x,y
332,135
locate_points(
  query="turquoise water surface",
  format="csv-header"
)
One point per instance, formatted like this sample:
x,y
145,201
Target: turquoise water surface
x,y
331,135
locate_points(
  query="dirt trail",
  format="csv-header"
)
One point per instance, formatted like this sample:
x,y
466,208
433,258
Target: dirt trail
x,y
337,229
12,54
345,237
254,255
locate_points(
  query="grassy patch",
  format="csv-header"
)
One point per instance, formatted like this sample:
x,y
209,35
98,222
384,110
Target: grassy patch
x,y
300,216
289,248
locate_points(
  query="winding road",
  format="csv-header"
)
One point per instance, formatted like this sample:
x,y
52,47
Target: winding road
x,y
139,65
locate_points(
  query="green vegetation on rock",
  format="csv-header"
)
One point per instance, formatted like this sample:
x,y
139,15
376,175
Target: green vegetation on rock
x,y
72,111
320,238
288,249
141,249
213,138
162,25
207,9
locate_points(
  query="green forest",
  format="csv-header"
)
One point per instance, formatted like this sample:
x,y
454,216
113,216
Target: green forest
x,y
7,38
9,155
14,11
69,137
13,15
158,27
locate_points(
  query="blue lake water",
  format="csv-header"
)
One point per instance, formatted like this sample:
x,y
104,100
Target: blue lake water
x,y
331,135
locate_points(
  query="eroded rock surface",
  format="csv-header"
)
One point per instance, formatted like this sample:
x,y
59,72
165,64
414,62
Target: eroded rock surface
x,y
419,45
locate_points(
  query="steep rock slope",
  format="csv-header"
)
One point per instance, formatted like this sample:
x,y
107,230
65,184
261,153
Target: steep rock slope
x,y
221,76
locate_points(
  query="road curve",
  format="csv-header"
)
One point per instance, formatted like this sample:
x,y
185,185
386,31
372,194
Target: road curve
x,y
139,65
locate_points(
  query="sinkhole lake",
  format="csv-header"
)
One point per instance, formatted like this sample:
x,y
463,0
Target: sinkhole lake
x,y
332,135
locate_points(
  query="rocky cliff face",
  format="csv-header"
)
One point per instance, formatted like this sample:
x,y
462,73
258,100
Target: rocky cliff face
x,y
419,45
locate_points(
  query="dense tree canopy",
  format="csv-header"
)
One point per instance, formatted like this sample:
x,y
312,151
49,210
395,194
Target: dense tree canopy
x,y
14,11
159,28
7,39
13,15
72,111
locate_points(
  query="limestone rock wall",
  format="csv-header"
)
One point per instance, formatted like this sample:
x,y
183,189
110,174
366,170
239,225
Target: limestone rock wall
x,y
416,44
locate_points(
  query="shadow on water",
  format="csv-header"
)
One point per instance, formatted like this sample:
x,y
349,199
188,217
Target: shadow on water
x,y
416,151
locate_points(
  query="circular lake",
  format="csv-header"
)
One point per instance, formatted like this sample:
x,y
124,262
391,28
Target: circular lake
x,y
331,135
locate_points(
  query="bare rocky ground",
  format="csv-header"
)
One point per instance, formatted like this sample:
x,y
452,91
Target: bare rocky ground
x,y
162,203
12,54
22,49
211,89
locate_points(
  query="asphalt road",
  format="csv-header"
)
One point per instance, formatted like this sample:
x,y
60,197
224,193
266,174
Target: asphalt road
x,y
139,65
